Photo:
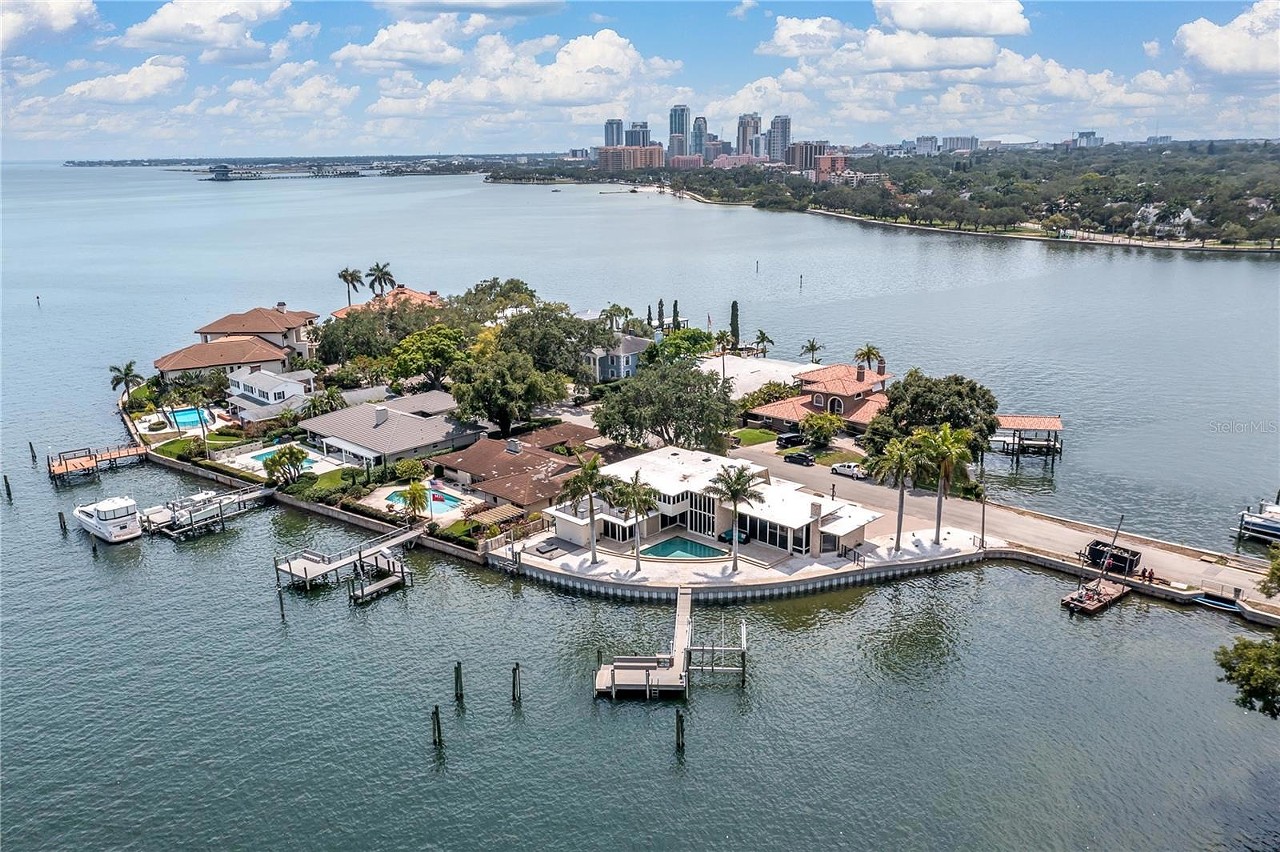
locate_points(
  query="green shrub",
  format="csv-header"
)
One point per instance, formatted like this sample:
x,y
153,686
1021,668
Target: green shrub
x,y
301,486
157,426
410,469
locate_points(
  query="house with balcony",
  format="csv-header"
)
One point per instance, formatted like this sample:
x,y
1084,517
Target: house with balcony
x,y
249,389
619,361
856,394
226,355
279,326
786,520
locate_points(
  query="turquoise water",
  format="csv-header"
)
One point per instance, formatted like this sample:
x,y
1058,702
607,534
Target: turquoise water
x,y
189,418
678,547
263,456
437,500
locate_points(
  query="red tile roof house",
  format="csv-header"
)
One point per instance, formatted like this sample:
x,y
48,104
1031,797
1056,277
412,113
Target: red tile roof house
x,y
398,295
855,394
510,472
278,326
226,354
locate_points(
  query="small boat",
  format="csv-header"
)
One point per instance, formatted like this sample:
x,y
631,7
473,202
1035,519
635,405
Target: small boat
x,y
113,520
1263,524
555,190
1217,603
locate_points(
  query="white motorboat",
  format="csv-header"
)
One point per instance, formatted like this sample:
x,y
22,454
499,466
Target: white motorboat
x,y
113,520
1263,524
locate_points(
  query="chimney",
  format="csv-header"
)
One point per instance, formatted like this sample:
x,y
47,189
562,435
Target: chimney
x,y
815,510
862,373
280,307
379,415
880,366
513,446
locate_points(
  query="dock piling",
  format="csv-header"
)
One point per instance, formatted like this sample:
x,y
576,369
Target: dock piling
x,y
32,448
437,734
7,492
62,522
457,680
515,684
680,731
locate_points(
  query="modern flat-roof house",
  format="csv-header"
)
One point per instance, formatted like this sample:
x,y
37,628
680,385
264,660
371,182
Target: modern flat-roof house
x,y
855,394
785,519
618,361
278,326
398,295
377,433
225,354
250,388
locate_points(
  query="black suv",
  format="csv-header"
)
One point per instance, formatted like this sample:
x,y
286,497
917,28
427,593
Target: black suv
x,y
805,459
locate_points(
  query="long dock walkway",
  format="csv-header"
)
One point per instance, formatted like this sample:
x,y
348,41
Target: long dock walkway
x,y
89,461
659,673
307,566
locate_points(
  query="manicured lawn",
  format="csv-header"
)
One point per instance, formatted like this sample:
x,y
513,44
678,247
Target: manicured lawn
x,y
221,442
828,456
462,526
751,437
333,478
170,449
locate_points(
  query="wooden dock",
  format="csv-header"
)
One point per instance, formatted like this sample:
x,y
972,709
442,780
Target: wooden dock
x,y
307,566
203,512
375,576
88,461
1028,434
1093,597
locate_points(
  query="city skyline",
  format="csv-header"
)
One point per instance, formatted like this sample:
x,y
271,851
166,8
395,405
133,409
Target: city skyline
x,y
263,77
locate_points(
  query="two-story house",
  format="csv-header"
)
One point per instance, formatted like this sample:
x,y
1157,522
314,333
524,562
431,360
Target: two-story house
x,y
853,393
250,389
278,326
618,361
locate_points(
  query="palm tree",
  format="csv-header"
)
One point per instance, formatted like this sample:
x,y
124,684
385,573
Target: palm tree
x,y
380,278
948,452
587,484
723,340
869,353
734,485
763,342
811,348
416,498
615,316
126,377
353,279
901,459
635,498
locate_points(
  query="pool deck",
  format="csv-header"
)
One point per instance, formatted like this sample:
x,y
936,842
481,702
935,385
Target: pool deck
x,y
380,498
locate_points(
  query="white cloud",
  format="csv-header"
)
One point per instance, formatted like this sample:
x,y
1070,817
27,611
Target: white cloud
x,y
412,9
908,51
767,96
954,17
292,89
223,28
740,11
597,18
86,65
1151,48
408,44
1248,45
159,75
304,30
23,72
20,18
805,36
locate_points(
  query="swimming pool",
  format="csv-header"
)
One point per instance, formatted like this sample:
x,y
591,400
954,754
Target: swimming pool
x,y
189,418
437,501
261,458
678,547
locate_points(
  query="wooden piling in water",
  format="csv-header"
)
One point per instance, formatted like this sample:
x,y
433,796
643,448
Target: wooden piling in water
x,y
680,731
32,448
457,680
437,734
7,492
62,522
515,684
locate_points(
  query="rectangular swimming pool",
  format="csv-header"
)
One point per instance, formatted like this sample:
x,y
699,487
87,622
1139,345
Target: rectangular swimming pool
x,y
189,418
261,458
679,547
437,501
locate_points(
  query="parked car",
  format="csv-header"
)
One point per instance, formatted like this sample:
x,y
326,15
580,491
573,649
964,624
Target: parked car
x,y
805,459
849,469
790,439
727,536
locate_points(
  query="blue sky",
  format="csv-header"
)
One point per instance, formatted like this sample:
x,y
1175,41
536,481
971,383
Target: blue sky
x,y
267,77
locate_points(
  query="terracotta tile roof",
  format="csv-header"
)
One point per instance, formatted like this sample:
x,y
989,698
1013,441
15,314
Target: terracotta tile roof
x,y
489,459
1030,422
864,409
223,352
398,296
258,321
525,489
571,435
795,408
841,380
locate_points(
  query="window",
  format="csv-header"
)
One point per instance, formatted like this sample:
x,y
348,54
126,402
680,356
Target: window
x,y
836,406
279,395
817,400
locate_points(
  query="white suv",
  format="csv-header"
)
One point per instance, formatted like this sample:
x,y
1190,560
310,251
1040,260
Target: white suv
x,y
848,469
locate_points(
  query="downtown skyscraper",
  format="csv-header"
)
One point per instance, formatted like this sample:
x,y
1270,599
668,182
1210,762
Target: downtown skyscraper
x,y
748,128
678,130
613,132
698,137
779,138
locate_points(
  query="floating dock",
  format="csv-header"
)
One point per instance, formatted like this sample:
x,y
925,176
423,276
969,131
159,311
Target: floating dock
x,y
88,461
1093,597
306,566
201,512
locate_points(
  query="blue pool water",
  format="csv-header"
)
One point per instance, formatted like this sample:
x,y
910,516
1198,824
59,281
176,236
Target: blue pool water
x,y
678,547
263,456
189,418
437,501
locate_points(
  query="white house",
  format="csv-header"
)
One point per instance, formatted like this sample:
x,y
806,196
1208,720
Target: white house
x,y
786,519
250,389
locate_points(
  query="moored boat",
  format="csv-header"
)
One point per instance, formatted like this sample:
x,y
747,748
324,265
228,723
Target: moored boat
x,y
113,520
1263,524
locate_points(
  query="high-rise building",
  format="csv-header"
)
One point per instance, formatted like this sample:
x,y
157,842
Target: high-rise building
x,y
758,145
679,121
1088,139
613,133
676,145
804,155
779,137
638,135
748,126
624,158
959,143
926,145
698,136
711,150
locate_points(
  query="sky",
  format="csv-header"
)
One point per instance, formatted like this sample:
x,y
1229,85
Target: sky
x,y
210,78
